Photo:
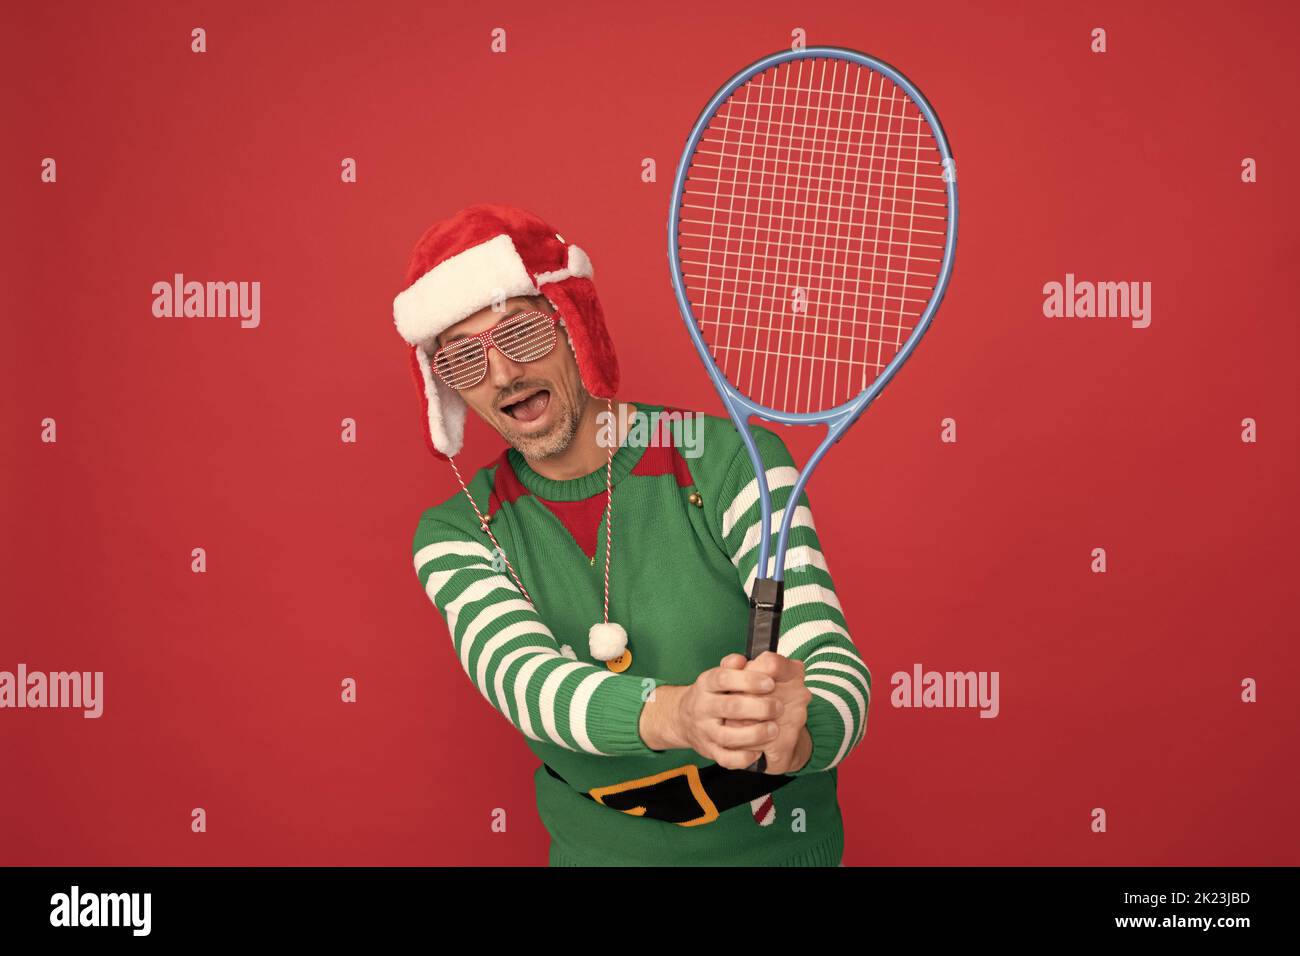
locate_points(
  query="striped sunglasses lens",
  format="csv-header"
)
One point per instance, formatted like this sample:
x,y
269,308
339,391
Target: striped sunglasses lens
x,y
526,337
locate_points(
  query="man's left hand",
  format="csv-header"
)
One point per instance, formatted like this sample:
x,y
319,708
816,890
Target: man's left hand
x,y
792,747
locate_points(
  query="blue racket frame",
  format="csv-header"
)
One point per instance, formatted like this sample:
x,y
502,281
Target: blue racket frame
x,y
740,406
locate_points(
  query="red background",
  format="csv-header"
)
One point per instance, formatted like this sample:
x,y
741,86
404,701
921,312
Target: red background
x,y
1119,690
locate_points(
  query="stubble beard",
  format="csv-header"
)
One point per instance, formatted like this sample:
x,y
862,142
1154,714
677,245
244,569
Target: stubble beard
x,y
556,439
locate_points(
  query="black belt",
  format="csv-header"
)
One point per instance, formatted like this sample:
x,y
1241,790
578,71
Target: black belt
x,y
687,795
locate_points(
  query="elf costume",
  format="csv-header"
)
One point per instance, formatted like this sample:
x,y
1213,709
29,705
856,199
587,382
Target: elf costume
x,y
519,566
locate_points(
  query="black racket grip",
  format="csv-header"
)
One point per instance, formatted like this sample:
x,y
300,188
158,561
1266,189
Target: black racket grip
x,y
765,604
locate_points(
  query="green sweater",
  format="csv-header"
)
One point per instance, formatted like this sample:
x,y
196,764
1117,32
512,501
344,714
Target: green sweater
x,y
685,553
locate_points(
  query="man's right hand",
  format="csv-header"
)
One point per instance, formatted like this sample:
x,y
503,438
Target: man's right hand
x,y
692,716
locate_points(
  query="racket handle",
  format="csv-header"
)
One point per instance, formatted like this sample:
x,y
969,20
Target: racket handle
x,y
764,631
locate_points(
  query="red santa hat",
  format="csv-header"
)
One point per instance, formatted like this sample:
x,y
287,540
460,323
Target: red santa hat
x,y
483,254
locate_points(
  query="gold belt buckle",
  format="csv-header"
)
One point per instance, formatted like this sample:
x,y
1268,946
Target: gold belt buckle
x,y
708,814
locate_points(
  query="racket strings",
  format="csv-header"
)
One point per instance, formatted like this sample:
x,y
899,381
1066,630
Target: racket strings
x,y
812,229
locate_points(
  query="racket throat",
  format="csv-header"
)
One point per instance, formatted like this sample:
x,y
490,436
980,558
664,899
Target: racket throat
x,y
765,603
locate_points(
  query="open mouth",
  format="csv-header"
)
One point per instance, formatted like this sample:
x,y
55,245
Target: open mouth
x,y
529,407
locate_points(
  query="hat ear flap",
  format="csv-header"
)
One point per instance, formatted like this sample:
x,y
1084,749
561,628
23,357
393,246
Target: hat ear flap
x,y
443,420
584,321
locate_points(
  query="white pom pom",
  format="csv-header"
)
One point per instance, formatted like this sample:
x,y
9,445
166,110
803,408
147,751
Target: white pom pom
x,y
569,652
607,641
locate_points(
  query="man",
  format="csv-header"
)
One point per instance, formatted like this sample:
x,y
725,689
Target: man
x,y
619,657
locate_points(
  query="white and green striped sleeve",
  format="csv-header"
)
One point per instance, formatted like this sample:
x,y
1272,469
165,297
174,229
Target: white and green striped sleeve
x,y
813,629
515,661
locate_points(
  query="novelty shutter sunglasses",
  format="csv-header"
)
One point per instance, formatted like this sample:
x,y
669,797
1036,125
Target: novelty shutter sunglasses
x,y
525,337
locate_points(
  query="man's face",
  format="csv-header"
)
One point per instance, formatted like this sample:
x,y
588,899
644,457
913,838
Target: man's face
x,y
535,406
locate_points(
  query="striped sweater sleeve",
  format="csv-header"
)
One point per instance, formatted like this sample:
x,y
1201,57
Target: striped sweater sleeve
x,y
514,660
813,628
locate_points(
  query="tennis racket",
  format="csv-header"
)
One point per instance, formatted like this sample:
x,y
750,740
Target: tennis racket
x,y
810,236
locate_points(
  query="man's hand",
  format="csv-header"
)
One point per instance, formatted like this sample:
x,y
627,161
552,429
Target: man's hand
x,y
792,747
729,715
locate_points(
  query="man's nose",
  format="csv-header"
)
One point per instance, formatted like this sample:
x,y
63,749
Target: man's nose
x,y
501,370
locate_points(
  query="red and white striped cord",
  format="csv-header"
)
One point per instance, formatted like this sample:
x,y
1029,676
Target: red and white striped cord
x,y
609,501
483,523
609,516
